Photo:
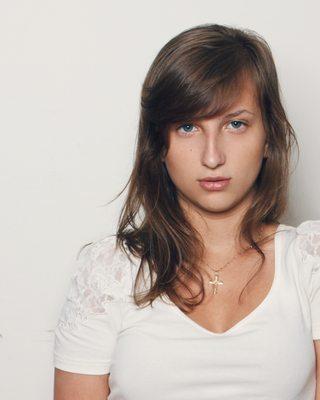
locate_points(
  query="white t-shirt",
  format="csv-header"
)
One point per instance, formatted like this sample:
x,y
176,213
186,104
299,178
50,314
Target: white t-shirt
x,y
160,353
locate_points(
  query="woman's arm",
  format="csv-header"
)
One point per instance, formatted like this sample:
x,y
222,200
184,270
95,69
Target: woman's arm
x,y
72,386
317,348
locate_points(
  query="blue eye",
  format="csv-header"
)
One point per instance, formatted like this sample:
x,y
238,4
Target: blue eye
x,y
186,125
238,124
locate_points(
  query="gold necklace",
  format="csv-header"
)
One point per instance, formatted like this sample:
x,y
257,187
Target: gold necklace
x,y
216,281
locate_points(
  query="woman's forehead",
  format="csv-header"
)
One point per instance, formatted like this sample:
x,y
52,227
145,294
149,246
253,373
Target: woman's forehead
x,y
243,101
244,97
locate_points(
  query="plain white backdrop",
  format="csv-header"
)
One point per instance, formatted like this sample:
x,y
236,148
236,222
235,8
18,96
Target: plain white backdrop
x,y
71,75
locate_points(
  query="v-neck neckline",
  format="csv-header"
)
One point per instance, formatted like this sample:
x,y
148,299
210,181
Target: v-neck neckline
x,y
254,312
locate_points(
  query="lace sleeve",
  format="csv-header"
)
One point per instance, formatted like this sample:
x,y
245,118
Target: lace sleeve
x,y
90,317
308,247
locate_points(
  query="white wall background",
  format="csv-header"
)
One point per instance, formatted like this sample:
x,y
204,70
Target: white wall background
x,y
71,74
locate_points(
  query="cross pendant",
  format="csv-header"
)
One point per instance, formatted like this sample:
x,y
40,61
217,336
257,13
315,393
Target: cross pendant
x,y
215,283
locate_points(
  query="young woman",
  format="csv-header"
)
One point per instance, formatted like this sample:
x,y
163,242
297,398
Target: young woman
x,y
202,294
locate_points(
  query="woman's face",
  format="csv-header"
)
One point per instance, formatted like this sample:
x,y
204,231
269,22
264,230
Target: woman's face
x,y
232,147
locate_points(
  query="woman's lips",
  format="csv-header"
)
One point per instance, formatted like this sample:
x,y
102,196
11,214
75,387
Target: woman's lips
x,y
214,185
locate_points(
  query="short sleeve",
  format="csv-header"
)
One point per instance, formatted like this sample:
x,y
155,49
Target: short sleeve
x,y
308,247
90,318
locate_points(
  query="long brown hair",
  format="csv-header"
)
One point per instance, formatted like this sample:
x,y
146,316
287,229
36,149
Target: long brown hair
x,y
198,74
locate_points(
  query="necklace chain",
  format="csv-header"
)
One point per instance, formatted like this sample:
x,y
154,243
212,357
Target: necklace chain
x,y
216,281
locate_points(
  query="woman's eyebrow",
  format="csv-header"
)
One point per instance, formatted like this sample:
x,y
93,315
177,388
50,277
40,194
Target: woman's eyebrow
x,y
234,114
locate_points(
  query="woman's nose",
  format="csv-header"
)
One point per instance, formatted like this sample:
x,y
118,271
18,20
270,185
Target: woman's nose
x,y
213,153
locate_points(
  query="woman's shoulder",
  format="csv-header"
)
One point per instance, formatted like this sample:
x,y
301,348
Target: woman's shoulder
x,y
105,269
102,274
306,245
303,244
307,241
